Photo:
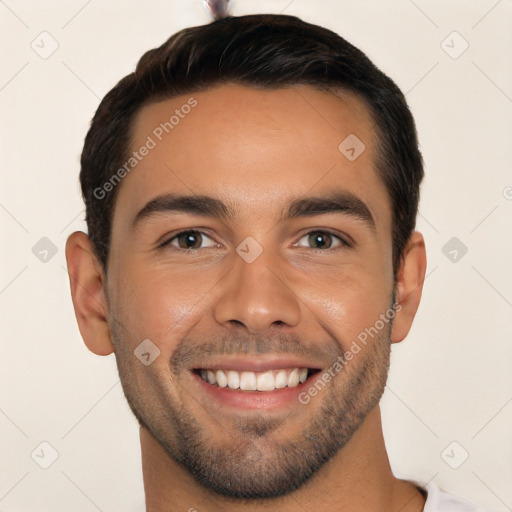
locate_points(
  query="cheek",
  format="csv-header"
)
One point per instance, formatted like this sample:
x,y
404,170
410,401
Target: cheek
x,y
349,305
151,303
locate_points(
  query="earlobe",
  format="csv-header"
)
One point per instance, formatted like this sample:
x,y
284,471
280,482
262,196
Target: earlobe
x,y
87,292
409,286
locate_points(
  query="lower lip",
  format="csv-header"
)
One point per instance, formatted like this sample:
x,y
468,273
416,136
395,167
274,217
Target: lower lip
x,y
266,400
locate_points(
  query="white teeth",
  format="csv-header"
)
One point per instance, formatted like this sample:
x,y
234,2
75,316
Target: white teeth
x,y
281,379
248,381
252,381
233,379
222,380
293,378
265,382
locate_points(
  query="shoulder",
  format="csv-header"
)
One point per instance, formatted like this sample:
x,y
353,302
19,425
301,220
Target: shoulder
x,y
441,501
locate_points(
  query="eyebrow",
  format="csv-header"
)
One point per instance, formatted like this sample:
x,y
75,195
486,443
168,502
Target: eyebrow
x,y
337,202
195,205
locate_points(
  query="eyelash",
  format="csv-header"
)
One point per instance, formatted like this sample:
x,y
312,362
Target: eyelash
x,y
344,243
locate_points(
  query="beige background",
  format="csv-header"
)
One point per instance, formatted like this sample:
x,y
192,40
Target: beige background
x,y
450,380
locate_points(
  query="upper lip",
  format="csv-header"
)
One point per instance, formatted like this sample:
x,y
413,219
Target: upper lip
x,y
257,364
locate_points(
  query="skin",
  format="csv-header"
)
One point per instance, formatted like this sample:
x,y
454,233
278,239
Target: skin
x,y
256,150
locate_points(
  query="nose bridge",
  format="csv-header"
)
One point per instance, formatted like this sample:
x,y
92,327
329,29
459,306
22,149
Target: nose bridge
x,y
255,292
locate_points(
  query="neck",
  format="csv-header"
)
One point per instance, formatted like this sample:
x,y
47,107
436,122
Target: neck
x,y
356,479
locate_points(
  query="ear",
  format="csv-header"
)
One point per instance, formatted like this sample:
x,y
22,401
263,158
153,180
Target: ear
x,y
87,292
409,285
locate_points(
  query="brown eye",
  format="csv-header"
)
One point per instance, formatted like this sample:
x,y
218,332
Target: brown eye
x,y
323,240
320,240
190,240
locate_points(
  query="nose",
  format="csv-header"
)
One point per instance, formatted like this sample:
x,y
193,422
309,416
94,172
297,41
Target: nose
x,y
257,296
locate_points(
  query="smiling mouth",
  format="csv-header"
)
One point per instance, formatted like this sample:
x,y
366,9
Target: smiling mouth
x,y
268,380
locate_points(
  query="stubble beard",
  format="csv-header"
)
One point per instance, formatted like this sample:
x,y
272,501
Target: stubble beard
x,y
253,464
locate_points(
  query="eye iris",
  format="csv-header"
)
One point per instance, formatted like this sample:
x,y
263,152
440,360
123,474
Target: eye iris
x,y
189,240
317,239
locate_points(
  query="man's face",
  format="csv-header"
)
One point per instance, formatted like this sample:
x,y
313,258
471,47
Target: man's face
x,y
261,287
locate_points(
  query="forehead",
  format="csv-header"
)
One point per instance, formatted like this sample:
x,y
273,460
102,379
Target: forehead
x,y
253,147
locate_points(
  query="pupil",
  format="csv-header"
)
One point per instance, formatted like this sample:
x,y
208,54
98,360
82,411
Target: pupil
x,y
318,239
190,240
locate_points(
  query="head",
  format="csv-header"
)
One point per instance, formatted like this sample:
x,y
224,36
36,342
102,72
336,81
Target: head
x,y
251,190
